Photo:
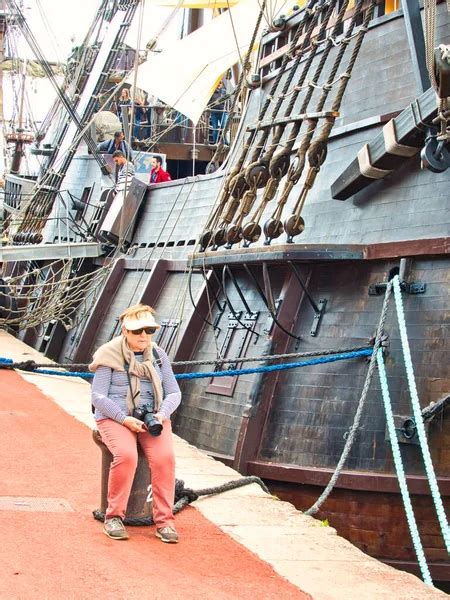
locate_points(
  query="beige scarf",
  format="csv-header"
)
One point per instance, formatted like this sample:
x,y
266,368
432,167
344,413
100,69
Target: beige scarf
x,y
116,354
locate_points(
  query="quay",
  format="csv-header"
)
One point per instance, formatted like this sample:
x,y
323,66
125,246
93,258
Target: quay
x,y
242,544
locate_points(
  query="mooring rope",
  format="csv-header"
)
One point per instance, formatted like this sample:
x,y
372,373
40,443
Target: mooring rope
x,y
184,496
30,365
9,364
396,455
440,511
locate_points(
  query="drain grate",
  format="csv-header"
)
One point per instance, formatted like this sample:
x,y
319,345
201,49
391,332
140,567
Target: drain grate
x,y
32,504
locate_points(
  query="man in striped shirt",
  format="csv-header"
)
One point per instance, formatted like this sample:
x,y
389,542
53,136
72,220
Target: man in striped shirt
x,y
126,171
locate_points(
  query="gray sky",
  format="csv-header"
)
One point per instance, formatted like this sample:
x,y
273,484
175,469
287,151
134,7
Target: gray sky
x,y
70,19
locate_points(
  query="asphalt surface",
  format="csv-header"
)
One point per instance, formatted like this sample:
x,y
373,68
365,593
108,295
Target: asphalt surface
x,y
62,553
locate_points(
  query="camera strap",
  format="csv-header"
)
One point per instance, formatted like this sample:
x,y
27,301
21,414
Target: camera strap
x,y
133,395
156,357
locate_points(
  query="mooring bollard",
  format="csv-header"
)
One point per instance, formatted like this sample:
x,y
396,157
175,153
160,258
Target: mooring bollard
x,y
137,507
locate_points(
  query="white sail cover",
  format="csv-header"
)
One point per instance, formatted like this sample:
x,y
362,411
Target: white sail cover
x,y
185,75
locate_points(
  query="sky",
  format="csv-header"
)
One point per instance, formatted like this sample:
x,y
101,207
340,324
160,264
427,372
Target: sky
x,y
59,25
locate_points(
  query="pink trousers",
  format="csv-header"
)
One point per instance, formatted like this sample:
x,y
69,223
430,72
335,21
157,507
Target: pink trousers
x,y
122,443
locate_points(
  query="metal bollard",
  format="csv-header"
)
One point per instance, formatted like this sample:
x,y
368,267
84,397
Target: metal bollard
x,y
137,507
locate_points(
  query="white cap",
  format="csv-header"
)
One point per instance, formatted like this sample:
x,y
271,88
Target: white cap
x,y
146,320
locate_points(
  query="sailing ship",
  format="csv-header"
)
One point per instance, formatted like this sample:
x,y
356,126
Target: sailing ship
x,y
336,182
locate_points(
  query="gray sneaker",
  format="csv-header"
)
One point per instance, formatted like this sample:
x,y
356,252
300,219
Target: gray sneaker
x,y
115,529
167,534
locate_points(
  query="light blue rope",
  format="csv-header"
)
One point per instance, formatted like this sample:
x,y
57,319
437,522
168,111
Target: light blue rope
x,y
415,536
418,416
230,373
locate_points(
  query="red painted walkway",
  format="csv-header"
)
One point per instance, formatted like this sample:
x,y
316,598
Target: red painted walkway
x,y
48,454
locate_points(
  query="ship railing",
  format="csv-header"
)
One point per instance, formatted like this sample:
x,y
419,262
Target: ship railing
x,y
17,190
161,124
68,221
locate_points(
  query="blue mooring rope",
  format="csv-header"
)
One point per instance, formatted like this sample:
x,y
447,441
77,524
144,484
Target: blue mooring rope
x,y
229,373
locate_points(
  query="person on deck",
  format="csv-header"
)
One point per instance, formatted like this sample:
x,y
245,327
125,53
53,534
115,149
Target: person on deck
x,y
125,173
117,143
218,115
157,174
123,103
130,372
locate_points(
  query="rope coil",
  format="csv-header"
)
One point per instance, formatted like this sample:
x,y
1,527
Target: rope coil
x,y
185,496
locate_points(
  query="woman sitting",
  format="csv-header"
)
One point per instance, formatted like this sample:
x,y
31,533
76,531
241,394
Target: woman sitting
x,y
133,377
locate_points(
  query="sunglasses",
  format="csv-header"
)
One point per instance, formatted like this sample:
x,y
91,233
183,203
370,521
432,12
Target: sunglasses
x,y
148,330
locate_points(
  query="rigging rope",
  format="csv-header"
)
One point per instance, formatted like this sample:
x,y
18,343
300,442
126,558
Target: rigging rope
x,y
50,293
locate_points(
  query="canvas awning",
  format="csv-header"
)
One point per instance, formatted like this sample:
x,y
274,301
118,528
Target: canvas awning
x,y
185,75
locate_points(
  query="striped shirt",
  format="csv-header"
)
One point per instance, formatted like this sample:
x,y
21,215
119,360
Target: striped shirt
x,y
110,388
125,174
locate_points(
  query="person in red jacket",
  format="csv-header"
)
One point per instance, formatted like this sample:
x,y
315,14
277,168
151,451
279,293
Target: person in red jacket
x,y
157,174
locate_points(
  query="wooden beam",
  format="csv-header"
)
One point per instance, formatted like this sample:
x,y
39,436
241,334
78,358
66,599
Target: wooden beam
x,y
350,480
51,251
280,253
409,128
429,247
184,151
324,252
196,323
255,417
155,282
95,320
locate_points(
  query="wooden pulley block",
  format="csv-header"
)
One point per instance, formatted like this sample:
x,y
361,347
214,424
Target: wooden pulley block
x,y
219,237
205,240
442,70
238,185
251,232
37,238
273,228
257,174
279,165
294,225
317,154
295,169
233,235
435,156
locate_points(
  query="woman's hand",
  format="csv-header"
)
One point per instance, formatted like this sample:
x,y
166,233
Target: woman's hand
x,y
134,424
160,417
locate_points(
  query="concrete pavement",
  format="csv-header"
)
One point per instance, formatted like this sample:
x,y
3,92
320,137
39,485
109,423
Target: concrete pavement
x,y
299,548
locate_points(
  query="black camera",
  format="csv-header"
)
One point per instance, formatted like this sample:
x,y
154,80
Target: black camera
x,y
145,413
